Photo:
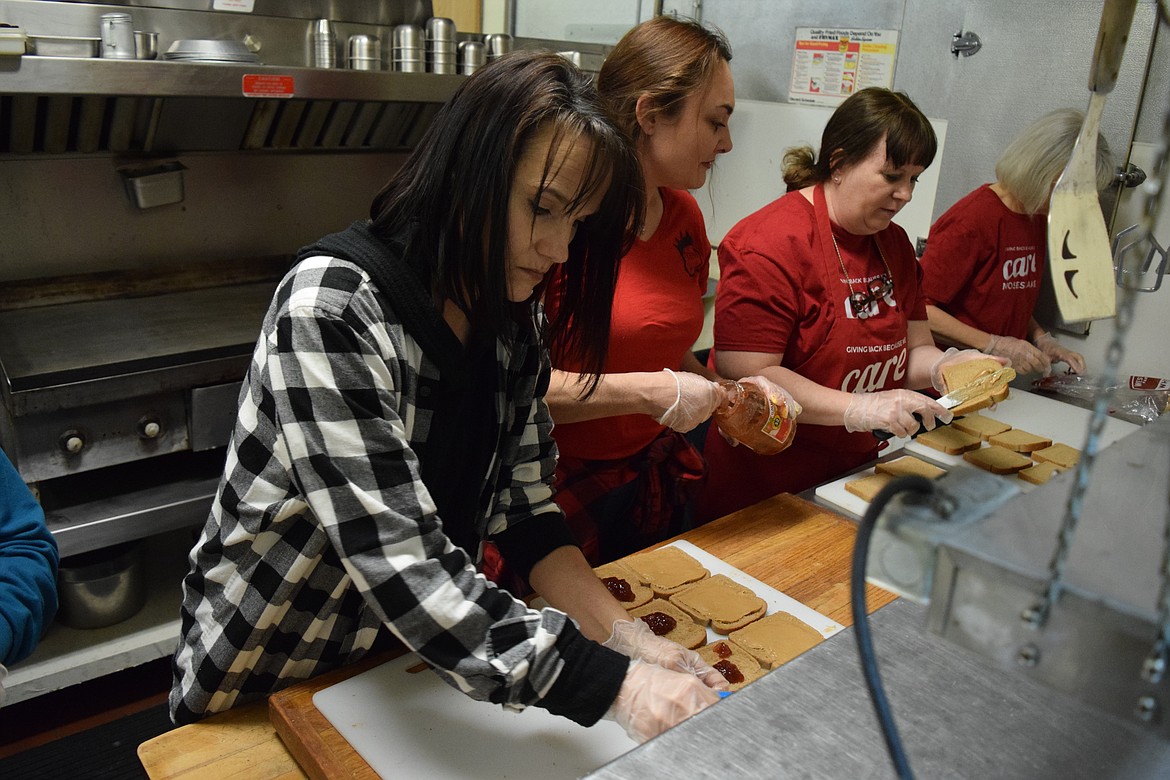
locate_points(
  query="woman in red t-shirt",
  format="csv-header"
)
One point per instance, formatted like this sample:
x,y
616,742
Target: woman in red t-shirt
x,y
626,473
986,255
819,291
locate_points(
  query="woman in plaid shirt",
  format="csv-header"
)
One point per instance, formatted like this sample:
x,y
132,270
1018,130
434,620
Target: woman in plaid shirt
x,y
393,420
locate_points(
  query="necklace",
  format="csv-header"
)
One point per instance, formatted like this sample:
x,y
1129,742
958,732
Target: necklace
x,y
861,302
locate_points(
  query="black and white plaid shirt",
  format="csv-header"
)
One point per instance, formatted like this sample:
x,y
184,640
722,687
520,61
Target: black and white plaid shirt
x,y
322,531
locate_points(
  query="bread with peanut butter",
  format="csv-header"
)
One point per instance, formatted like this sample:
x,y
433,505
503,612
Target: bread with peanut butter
x,y
866,488
738,666
776,639
720,602
1058,454
668,621
666,570
908,465
1020,441
623,584
963,374
978,425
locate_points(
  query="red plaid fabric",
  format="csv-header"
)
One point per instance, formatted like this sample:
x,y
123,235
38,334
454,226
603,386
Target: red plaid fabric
x,y
616,507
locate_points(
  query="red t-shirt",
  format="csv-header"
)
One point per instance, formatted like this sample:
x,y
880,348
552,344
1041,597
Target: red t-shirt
x,y
657,316
781,290
983,264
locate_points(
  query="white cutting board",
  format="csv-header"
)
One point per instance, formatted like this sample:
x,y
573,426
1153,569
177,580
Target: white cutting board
x,y
1034,413
416,726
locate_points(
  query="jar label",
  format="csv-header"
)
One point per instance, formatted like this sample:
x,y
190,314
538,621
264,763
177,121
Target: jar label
x,y
777,424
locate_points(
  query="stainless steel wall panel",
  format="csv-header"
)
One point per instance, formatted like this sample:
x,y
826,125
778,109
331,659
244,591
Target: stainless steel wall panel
x,y
1035,58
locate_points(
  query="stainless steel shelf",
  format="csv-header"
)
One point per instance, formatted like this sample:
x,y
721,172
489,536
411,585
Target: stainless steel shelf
x,y
32,75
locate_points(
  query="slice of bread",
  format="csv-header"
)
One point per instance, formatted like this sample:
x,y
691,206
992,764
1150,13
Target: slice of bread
x,y
776,638
738,666
998,460
1020,441
949,440
978,425
962,374
908,465
666,570
867,487
1059,454
623,584
668,621
1039,473
720,602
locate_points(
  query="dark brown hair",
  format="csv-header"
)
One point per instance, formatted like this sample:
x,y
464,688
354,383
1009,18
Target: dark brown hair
x,y
666,58
855,128
451,197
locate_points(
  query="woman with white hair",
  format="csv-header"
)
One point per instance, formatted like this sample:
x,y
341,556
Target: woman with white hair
x,y
986,255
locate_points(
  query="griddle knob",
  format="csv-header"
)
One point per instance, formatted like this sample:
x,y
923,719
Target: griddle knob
x,y
149,427
72,442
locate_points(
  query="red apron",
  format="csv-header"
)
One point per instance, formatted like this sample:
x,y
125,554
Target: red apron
x,y
857,355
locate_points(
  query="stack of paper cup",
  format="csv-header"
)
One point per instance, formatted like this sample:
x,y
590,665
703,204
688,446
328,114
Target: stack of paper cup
x,y
441,56
407,49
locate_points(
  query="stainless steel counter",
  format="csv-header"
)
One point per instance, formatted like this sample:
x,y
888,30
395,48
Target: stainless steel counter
x,y
959,717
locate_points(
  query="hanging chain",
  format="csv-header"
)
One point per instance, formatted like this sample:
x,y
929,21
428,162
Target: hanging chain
x,y
1037,615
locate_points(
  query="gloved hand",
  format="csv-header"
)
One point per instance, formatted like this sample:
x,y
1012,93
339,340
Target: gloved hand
x,y
953,357
633,638
893,411
697,398
653,699
1025,358
1056,353
773,391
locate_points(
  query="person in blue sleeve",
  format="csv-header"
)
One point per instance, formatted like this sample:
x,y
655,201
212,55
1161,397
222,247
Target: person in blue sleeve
x,y
28,570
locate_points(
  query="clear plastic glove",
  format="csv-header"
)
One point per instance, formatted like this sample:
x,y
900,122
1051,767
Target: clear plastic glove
x,y
696,400
1056,353
1025,358
773,391
653,699
952,357
634,639
893,411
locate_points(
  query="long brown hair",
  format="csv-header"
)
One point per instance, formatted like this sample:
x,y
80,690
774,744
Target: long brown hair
x,y
666,58
855,128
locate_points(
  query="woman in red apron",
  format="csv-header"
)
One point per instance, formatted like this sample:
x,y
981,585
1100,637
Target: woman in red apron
x,y
987,254
819,291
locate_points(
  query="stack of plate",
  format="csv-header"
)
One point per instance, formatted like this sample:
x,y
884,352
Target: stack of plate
x,y
210,51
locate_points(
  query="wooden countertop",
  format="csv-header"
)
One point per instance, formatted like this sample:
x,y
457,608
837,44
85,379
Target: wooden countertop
x,y
786,542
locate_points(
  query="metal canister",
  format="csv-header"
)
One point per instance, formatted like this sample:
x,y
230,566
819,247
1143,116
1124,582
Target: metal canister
x,y
441,52
117,37
365,53
407,49
497,44
471,57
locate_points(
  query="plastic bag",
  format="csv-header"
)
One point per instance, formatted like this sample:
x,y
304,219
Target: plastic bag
x,y
1139,399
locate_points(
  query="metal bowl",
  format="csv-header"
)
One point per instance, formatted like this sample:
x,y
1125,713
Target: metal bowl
x,y
102,587
145,45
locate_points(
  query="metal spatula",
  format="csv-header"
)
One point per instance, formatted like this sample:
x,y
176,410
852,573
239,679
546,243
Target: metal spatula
x,y
1078,242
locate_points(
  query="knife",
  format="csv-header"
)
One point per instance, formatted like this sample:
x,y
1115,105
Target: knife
x,y
982,384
